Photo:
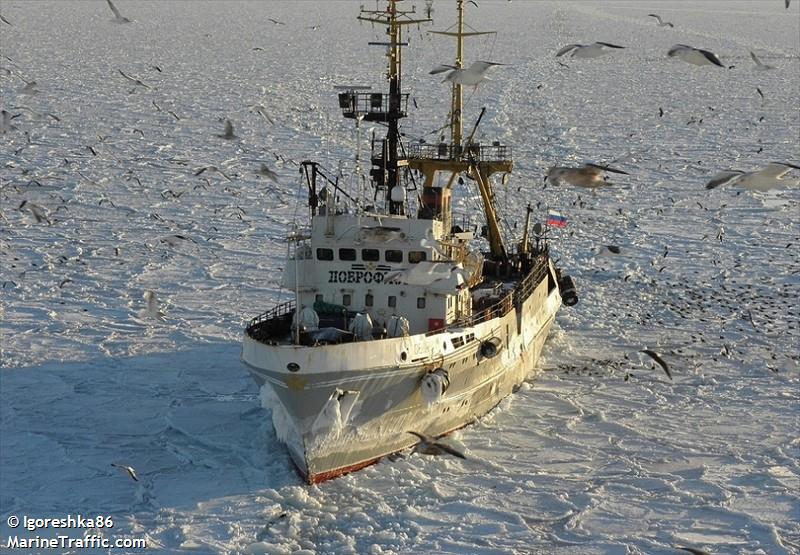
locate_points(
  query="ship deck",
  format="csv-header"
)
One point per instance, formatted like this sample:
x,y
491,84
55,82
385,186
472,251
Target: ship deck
x,y
491,299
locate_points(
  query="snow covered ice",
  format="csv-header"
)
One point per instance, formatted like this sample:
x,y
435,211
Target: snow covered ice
x,y
600,453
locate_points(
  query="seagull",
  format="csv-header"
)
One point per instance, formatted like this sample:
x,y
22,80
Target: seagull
x,y
35,113
661,23
694,56
174,241
7,22
593,50
38,212
768,177
212,169
759,65
430,446
588,175
5,123
268,173
656,357
228,131
129,469
117,16
276,22
132,80
787,4
607,250
473,75
29,88
152,311
260,110
694,550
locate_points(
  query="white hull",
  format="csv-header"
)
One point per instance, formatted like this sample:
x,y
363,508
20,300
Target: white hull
x,y
349,405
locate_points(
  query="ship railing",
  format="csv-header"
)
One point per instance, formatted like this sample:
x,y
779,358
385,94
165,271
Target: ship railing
x,y
503,306
372,106
468,153
274,313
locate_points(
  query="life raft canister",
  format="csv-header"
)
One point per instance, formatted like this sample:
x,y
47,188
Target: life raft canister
x,y
569,293
434,384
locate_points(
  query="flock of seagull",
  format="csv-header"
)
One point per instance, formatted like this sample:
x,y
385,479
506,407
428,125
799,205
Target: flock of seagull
x,y
589,176
592,175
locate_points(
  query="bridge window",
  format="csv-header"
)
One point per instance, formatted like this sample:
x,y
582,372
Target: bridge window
x,y
420,302
370,255
415,257
392,301
394,256
346,299
347,254
324,254
369,300
318,298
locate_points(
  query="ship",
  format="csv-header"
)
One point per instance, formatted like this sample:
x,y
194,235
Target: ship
x,y
401,319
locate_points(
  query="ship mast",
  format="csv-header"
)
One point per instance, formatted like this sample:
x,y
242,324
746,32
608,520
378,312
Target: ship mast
x,y
457,101
386,174
460,156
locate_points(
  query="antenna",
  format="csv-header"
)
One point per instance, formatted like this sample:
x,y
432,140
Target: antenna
x,y
388,174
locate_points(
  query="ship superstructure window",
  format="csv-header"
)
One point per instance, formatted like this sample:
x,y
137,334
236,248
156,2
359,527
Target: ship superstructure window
x,y
392,301
370,255
318,298
324,254
415,257
346,299
347,254
369,300
420,302
393,255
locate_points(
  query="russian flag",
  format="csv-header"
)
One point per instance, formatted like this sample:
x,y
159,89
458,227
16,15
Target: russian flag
x,y
556,219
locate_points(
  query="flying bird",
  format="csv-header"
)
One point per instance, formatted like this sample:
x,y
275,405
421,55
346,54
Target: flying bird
x,y
117,16
4,20
129,469
473,75
694,550
132,79
29,88
607,250
260,110
268,173
5,122
656,357
593,50
212,169
276,22
759,65
430,446
661,23
228,131
152,310
768,177
39,213
589,176
694,56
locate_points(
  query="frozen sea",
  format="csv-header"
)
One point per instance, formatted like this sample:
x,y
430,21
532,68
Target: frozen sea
x,y
600,453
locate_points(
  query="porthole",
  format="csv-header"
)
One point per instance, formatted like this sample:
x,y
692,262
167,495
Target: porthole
x,y
403,356
293,367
